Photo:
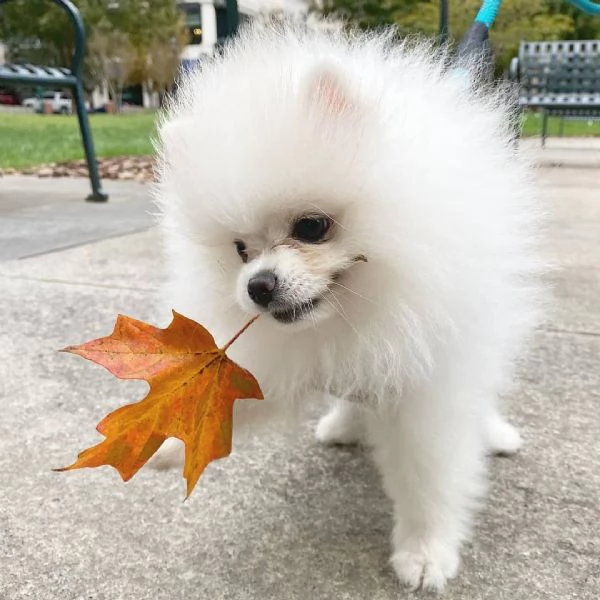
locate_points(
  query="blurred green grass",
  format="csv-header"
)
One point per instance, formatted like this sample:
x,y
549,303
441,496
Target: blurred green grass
x,y
28,140
532,125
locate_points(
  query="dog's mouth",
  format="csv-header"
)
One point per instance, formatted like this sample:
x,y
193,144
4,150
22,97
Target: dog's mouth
x,y
286,312
293,313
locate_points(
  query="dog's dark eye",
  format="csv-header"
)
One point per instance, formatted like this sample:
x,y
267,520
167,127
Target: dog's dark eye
x,y
241,250
311,229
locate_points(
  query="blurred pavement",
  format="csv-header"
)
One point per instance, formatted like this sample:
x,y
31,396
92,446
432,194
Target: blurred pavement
x,y
282,519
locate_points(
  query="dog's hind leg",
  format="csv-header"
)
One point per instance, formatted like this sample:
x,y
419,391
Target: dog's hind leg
x,y
343,424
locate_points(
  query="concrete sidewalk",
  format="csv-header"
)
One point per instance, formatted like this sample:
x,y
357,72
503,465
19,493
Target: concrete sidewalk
x,y
280,519
39,216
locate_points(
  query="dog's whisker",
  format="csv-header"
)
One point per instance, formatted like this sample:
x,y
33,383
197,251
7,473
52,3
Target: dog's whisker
x,y
330,217
339,309
335,308
337,301
344,315
352,291
312,314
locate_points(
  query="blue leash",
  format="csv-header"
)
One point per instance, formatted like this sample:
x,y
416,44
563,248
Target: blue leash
x,y
475,41
591,8
489,9
487,13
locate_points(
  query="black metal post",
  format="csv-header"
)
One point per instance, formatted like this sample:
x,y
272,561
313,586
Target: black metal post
x,y
31,74
444,28
233,17
98,194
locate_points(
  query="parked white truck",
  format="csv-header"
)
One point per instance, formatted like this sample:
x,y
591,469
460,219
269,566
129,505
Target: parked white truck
x,y
60,102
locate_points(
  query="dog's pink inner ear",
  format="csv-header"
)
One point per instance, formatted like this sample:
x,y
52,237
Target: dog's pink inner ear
x,y
329,93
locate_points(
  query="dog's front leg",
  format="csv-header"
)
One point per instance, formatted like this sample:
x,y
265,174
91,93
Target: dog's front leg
x,y
430,452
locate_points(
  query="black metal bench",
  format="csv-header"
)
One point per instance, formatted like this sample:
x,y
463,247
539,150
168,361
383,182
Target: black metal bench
x,y
559,78
63,77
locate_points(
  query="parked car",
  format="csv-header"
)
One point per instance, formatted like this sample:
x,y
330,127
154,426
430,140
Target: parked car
x,y
61,102
9,97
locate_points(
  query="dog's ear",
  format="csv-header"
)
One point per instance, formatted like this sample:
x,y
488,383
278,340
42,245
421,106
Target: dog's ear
x,y
328,91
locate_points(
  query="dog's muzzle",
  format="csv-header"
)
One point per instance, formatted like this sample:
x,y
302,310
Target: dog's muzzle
x,y
265,291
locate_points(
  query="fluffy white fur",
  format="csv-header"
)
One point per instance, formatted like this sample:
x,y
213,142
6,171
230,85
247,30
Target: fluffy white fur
x,y
420,177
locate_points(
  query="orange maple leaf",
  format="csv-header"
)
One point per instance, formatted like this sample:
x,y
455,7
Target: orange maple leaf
x,y
193,386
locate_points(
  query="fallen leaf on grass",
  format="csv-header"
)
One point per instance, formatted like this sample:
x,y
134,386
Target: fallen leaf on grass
x,y
193,386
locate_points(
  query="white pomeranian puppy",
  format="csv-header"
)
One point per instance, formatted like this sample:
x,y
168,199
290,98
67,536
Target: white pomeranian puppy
x,y
376,213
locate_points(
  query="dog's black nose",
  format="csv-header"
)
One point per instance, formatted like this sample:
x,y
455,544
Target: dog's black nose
x,y
261,287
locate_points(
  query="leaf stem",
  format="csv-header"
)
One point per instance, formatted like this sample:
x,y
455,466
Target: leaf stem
x,y
237,335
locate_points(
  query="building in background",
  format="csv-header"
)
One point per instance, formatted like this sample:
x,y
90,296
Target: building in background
x,y
206,24
206,21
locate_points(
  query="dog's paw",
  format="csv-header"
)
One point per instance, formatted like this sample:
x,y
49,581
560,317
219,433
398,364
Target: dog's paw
x,y
427,568
169,456
502,437
338,427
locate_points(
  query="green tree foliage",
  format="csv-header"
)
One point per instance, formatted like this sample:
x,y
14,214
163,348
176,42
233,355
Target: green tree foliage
x,y
111,58
585,27
38,31
517,20
150,23
365,14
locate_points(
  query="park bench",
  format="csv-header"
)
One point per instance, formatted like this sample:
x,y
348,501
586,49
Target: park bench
x,y
63,77
559,78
